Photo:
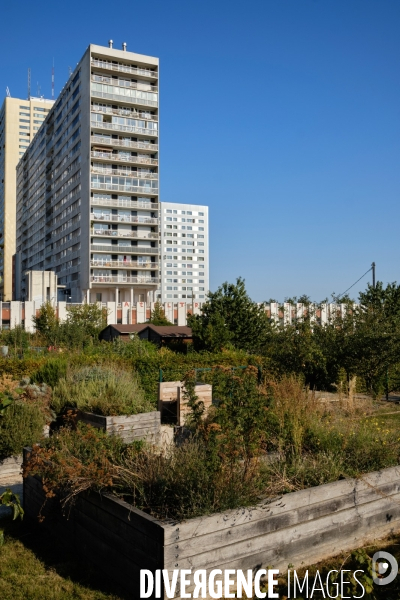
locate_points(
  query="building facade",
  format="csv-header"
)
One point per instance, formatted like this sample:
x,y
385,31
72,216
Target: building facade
x,y
184,258
87,187
19,122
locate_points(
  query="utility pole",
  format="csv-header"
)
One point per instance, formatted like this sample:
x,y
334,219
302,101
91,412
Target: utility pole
x,y
373,274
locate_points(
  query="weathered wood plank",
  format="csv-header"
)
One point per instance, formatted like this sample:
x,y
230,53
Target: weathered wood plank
x,y
285,503
374,514
271,523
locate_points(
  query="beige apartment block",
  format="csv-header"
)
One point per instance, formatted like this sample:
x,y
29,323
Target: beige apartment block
x,y
19,122
87,188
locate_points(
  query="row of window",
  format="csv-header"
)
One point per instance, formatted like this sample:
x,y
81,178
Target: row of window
x,y
184,212
183,296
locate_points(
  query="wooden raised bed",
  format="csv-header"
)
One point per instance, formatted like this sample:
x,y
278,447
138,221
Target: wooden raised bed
x,y
143,426
300,528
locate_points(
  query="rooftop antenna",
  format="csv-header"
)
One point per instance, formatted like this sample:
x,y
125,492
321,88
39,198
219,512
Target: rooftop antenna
x,y
110,43
29,83
38,90
52,81
8,92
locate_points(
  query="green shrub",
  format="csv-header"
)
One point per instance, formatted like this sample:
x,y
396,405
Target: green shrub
x,y
107,391
50,372
21,425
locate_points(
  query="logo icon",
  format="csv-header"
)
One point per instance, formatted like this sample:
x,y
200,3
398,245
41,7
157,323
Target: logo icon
x,y
387,564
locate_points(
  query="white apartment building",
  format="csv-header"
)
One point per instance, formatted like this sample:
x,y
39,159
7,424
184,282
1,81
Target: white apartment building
x,y
184,258
19,121
87,187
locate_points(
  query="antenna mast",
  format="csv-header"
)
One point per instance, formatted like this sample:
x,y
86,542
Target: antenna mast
x,y
52,81
29,83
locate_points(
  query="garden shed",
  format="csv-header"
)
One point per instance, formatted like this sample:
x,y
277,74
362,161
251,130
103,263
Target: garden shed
x,y
158,334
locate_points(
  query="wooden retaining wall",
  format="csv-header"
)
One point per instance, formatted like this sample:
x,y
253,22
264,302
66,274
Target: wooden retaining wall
x,y
299,528
171,392
144,426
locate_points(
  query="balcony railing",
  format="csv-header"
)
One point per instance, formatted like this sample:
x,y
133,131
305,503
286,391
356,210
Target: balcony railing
x,y
122,234
122,219
102,64
125,143
141,160
124,264
124,203
124,128
124,173
124,112
116,187
123,279
119,249
133,85
124,99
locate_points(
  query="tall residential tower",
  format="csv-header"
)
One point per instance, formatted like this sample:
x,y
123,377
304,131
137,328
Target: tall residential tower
x,y
184,252
87,204
19,122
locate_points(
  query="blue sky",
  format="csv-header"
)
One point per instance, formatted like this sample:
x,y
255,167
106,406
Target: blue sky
x,y
282,115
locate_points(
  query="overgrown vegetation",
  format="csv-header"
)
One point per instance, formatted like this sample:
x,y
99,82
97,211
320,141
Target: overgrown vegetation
x,y
226,461
107,391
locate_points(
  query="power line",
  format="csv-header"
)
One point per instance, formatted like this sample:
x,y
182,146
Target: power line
x,y
345,292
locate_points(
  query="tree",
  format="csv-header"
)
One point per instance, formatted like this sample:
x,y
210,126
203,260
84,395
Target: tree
x,y
157,316
230,318
47,324
89,318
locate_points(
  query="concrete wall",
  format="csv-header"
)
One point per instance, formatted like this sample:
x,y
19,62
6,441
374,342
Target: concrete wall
x,y
140,312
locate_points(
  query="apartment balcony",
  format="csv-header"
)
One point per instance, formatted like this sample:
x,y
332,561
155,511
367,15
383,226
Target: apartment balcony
x,y
123,219
124,143
124,128
133,85
124,203
123,173
137,160
124,264
124,112
123,279
142,72
116,187
124,99
119,249
123,234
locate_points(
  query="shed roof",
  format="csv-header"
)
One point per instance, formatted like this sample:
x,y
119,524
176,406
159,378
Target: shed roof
x,y
170,331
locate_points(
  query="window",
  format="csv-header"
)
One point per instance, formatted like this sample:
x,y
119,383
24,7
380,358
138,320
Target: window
x,y
183,212
201,280
25,147
175,212
169,295
169,211
201,289
39,108
38,122
169,219
169,272
24,121
201,220
189,212
201,228
24,141
169,288
201,214
24,107
24,127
